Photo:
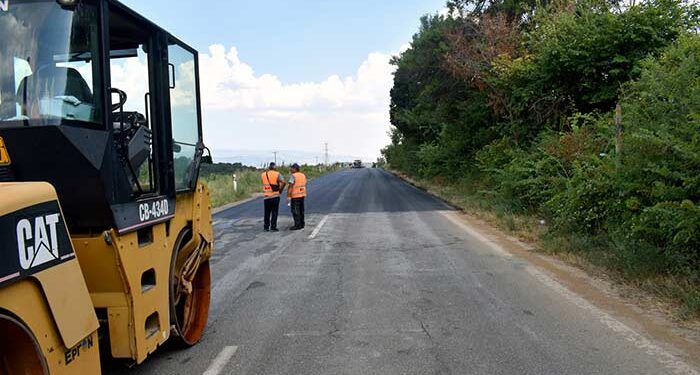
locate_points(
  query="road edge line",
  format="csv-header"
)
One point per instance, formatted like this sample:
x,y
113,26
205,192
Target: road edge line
x,y
449,215
418,187
649,344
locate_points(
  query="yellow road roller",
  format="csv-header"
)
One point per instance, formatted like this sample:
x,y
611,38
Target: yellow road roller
x,y
105,232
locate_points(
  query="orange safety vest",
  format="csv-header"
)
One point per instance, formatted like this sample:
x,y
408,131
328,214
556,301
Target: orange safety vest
x,y
299,188
270,178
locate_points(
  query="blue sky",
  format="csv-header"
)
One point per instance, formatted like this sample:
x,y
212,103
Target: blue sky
x,y
333,54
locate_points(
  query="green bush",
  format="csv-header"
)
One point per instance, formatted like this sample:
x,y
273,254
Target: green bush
x,y
587,202
673,230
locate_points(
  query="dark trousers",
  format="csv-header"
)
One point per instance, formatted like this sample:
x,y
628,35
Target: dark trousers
x,y
272,209
298,212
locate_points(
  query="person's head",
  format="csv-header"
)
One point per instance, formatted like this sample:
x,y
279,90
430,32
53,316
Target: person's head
x,y
294,168
273,166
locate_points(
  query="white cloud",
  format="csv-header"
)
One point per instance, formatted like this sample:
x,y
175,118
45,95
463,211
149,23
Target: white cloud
x,y
229,83
245,110
131,76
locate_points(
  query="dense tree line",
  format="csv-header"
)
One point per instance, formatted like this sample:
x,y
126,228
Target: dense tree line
x,y
515,100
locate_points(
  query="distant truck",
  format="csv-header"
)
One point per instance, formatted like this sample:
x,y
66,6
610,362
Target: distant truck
x,y
357,164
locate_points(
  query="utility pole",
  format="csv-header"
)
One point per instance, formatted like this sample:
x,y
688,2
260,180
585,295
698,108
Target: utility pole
x,y
618,135
325,149
275,152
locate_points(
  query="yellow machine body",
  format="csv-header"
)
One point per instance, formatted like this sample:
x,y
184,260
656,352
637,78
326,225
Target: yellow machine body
x,y
125,278
129,278
51,307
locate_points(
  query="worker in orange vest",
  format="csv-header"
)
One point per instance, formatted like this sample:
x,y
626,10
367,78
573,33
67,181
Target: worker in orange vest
x,y
273,185
296,193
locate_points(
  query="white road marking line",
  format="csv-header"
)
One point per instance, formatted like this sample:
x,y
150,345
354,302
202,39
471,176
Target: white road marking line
x,y
318,228
667,359
221,360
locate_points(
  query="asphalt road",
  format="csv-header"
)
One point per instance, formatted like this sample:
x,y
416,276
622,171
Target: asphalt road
x,y
390,284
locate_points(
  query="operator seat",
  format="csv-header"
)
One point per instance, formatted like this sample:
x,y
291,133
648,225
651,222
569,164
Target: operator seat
x,y
53,81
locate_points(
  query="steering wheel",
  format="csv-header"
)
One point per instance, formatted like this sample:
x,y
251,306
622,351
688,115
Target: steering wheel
x,y
122,98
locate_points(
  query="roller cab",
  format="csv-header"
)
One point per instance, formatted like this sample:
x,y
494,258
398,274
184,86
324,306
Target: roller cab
x,y
100,124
